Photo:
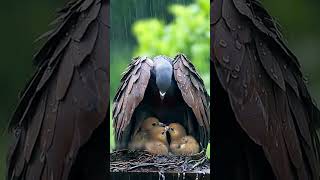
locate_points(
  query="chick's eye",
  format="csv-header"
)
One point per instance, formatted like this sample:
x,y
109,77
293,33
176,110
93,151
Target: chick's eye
x,y
171,129
162,133
153,124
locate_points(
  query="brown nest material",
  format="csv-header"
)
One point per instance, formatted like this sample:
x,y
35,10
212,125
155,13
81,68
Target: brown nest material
x,y
142,161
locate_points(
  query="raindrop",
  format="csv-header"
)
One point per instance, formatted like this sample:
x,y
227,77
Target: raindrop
x,y
42,156
261,44
244,85
226,59
238,45
228,78
125,27
223,43
264,53
235,76
150,6
260,76
17,132
237,68
271,70
275,76
285,66
239,26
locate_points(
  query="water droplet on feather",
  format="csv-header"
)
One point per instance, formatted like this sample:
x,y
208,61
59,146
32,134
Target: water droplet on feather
x,y
238,45
237,68
223,43
226,59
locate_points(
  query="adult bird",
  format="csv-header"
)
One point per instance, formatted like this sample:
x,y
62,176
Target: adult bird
x,y
168,89
265,121
59,125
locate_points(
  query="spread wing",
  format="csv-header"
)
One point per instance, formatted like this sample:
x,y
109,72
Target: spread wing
x,y
66,100
265,87
130,93
194,94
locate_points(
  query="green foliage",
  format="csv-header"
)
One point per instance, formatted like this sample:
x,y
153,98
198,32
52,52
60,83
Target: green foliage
x,y
188,33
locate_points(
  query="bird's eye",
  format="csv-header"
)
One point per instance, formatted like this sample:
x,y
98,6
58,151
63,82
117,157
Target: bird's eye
x,y
171,129
153,124
162,133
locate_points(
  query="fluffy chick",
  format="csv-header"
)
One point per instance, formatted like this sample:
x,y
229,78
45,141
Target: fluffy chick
x,y
141,137
157,143
181,144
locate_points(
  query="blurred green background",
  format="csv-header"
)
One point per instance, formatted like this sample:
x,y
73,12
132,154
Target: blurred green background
x,y
24,21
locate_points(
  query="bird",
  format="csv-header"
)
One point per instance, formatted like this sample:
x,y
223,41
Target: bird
x,y
157,141
265,122
181,143
60,121
164,87
141,136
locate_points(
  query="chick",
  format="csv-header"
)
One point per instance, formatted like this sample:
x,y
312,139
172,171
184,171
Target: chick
x,y
157,143
181,144
141,137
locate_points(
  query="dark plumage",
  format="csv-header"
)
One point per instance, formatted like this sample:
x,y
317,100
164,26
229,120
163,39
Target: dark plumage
x,y
60,122
265,121
185,99
162,72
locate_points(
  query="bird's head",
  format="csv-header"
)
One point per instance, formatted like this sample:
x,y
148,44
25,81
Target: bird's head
x,y
163,71
150,123
159,134
176,131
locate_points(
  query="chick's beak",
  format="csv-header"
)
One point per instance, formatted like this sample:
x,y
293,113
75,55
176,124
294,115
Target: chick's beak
x,y
161,124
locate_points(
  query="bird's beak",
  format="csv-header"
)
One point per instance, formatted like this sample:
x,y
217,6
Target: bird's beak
x,y
162,94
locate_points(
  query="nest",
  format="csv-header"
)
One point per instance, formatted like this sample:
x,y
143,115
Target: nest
x,y
142,161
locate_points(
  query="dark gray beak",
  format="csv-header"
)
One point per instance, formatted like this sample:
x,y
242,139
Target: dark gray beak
x,y
162,95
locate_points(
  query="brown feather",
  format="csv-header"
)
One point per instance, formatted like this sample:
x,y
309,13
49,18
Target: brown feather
x,y
130,93
194,94
265,88
66,100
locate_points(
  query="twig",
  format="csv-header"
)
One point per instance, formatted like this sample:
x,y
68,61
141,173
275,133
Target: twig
x,y
149,164
201,161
